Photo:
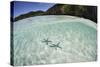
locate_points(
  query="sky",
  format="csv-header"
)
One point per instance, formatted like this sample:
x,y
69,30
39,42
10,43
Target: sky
x,y
21,7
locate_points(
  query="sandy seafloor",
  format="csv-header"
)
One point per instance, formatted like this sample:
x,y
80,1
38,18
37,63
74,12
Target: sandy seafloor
x,y
77,38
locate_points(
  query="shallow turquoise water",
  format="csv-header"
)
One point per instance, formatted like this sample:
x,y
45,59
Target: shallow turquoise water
x,y
77,38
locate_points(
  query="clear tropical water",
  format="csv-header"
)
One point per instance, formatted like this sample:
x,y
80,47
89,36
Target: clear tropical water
x,y
76,39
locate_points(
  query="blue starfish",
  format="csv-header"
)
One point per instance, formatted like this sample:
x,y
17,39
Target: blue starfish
x,y
47,41
56,46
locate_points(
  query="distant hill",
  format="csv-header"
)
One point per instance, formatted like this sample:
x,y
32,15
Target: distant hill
x,y
30,14
89,12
